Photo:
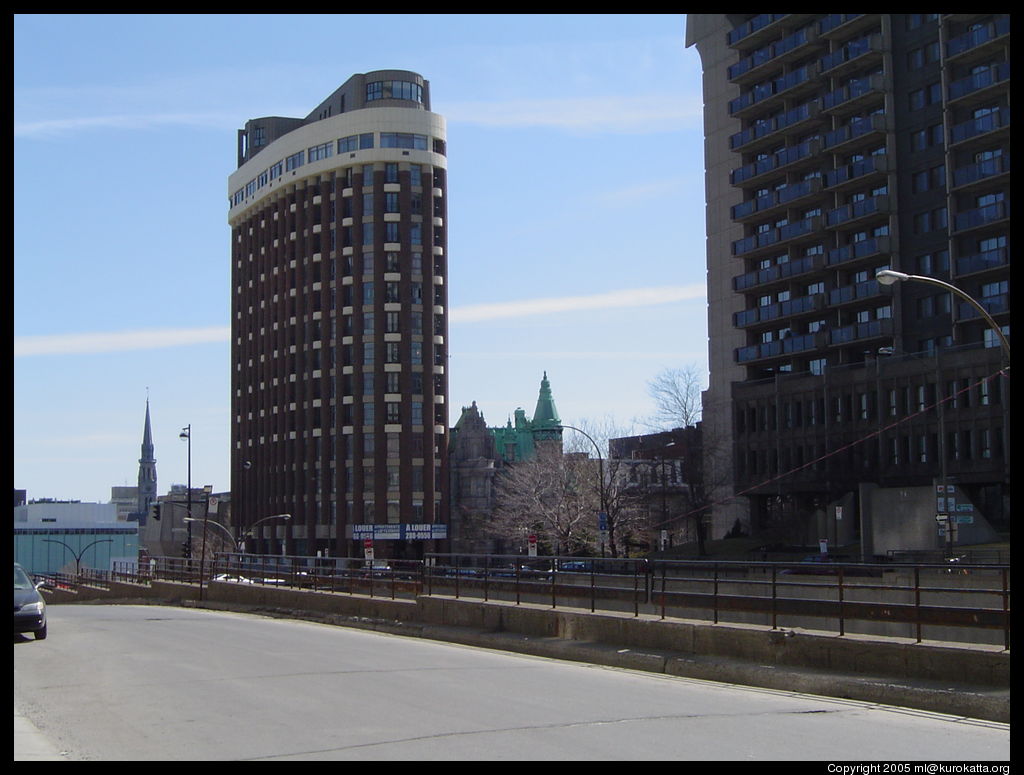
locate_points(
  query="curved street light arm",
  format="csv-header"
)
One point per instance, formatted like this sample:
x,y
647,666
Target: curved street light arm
x,y
252,527
889,276
600,471
251,532
214,522
600,460
79,555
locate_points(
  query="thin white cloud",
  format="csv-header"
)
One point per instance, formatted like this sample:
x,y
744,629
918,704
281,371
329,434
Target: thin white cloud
x,y
563,355
642,114
637,297
80,344
63,126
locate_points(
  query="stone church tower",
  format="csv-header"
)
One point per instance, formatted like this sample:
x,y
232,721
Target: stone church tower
x,y
147,472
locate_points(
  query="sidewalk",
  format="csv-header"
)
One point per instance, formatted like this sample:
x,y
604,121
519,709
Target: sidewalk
x,y
29,743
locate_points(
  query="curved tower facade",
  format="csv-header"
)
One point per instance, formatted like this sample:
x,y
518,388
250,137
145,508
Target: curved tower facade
x,y
339,323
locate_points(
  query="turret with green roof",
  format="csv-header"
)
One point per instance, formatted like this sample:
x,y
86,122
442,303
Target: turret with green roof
x,y
546,424
517,440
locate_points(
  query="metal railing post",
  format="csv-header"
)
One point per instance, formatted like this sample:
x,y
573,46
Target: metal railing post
x,y
636,589
715,592
553,566
917,602
1006,610
663,572
593,590
842,622
775,613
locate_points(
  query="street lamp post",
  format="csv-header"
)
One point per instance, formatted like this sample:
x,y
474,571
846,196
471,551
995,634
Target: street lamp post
x,y
206,518
661,457
237,543
78,555
600,471
889,277
186,435
940,400
251,532
206,522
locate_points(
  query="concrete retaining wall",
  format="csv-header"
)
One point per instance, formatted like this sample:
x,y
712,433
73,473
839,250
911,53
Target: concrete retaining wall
x,y
864,655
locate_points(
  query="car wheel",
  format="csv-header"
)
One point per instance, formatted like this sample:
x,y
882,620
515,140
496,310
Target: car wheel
x,y
41,634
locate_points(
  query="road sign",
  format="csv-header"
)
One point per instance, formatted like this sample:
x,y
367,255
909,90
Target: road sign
x,y
368,548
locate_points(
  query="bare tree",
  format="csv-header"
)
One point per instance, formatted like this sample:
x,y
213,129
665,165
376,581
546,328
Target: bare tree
x,y
677,397
625,517
548,496
626,508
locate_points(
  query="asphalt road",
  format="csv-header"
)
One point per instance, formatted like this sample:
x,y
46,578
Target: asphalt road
x,y
155,683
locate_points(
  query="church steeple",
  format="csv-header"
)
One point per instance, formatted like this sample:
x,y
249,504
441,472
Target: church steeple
x,y
147,471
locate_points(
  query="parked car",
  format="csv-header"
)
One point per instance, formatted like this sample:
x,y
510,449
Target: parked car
x,y
29,606
378,569
576,566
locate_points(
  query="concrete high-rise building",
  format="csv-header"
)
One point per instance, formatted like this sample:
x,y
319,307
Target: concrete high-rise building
x,y
839,145
340,323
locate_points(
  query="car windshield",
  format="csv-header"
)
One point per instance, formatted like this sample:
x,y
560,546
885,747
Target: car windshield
x,y
21,579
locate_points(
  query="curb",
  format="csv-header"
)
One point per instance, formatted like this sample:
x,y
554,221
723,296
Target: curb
x,y
31,745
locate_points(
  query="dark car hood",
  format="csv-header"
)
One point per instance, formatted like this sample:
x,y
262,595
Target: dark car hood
x,y
25,596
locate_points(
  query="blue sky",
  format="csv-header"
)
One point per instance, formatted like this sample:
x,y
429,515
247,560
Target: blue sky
x,y
576,217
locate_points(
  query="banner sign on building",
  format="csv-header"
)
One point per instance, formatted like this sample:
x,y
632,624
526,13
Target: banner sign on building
x,y
400,532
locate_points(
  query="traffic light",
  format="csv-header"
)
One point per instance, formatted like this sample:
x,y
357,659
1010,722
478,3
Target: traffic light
x,y
186,550
154,511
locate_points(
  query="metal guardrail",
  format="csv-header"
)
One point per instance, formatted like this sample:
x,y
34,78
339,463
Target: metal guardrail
x,y
54,581
919,595
319,574
969,597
